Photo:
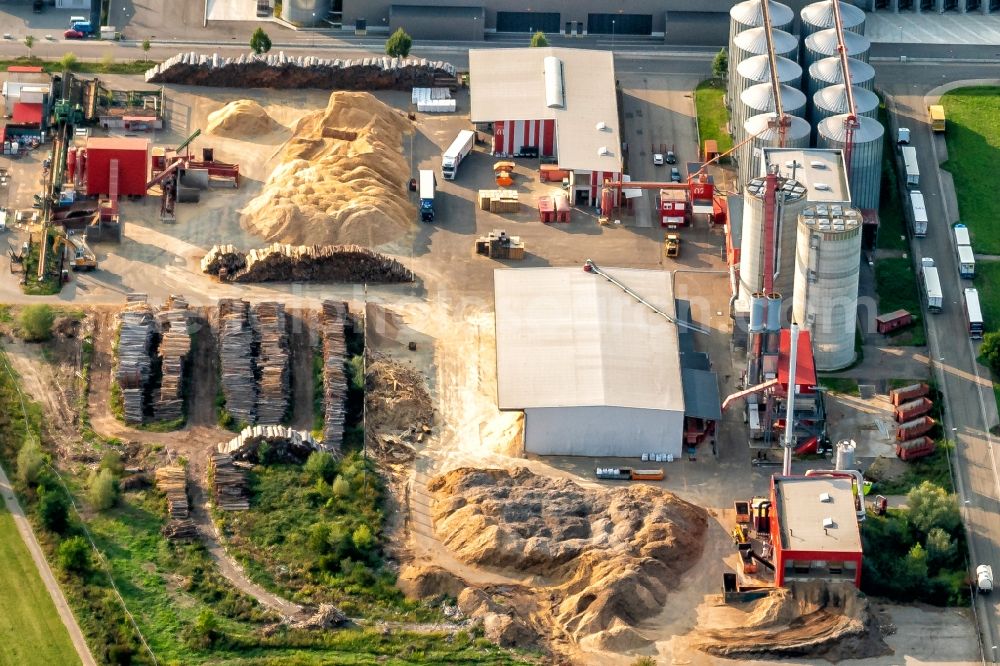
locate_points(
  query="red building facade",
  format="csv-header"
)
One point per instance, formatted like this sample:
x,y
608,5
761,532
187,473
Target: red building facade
x,y
132,156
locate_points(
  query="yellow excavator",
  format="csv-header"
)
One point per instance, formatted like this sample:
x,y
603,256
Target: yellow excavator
x,y
79,255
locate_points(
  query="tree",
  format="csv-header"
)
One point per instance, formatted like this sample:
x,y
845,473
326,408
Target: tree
x,y
341,487
74,555
260,42
362,538
146,46
915,565
54,511
321,465
539,39
68,61
941,547
103,490
399,43
990,350
930,506
29,41
35,322
112,460
29,461
205,630
720,64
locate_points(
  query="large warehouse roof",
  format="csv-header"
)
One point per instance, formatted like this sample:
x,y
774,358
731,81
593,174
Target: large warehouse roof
x,y
512,84
569,338
817,514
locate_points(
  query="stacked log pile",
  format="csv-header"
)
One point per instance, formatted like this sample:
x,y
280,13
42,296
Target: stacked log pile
x,y
301,263
276,70
332,321
180,530
270,327
229,484
135,340
172,482
282,442
175,344
239,386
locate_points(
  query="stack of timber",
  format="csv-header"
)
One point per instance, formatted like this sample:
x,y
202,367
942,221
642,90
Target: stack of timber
x,y
172,482
229,484
499,201
301,263
175,344
180,530
239,387
282,442
135,340
333,319
270,327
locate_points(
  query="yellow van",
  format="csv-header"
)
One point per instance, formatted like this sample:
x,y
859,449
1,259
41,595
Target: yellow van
x,y
936,115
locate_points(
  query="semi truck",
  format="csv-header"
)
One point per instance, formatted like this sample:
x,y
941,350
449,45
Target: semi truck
x,y
932,285
911,168
427,184
966,257
919,214
457,151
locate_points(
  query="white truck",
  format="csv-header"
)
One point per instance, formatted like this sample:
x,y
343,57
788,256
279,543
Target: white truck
x,y
919,214
932,285
910,165
457,151
984,578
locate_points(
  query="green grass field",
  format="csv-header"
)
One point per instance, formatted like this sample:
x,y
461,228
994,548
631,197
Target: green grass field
x,y
892,223
898,289
988,285
712,114
30,629
973,138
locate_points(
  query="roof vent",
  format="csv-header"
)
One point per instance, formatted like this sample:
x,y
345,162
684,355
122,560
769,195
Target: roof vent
x,y
828,523
822,187
555,92
825,497
603,151
601,126
816,164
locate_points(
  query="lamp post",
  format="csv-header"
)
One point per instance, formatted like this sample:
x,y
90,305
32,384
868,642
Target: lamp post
x,y
612,34
314,30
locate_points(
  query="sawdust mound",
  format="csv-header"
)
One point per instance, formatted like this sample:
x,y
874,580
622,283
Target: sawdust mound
x,y
819,620
341,179
242,119
613,556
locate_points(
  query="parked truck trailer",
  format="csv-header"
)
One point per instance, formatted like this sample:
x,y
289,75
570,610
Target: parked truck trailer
x,y
457,151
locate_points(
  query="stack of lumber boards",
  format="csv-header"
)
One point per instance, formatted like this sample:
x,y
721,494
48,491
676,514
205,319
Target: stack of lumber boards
x,y
229,483
135,339
172,482
180,529
270,327
499,201
300,263
175,344
333,319
283,443
239,386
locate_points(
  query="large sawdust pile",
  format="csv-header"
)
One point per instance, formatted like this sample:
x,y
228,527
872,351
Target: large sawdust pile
x,y
242,119
612,556
341,179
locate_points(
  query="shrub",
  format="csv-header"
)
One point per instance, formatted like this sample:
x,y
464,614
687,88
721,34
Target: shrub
x,y
720,64
260,42
29,461
990,350
68,61
930,506
103,490
321,465
35,322
399,44
341,487
941,548
362,538
74,555
112,461
539,39
53,510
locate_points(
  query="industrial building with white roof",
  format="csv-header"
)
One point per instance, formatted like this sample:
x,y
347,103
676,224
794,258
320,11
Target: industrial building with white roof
x,y
821,171
551,102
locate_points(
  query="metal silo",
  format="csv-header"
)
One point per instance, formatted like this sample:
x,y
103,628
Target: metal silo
x,y
866,157
765,128
757,69
828,72
746,15
753,42
832,101
791,198
827,265
823,44
759,99
820,16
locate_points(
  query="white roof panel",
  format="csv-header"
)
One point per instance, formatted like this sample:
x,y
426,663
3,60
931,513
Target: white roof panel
x,y
812,167
801,514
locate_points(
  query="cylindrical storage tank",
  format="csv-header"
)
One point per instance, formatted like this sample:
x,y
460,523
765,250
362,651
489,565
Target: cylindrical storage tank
x,y
845,454
832,101
819,16
793,195
746,15
774,312
764,126
758,312
759,99
866,156
828,72
823,44
757,69
305,12
753,42
827,265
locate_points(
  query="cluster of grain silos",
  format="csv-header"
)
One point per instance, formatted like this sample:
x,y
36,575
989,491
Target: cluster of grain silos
x,y
866,155
765,132
746,15
759,98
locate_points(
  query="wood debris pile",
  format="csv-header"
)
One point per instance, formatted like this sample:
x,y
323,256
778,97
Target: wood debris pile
x,y
136,332
239,386
270,327
280,262
175,344
327,616
282,443
229,483
332,321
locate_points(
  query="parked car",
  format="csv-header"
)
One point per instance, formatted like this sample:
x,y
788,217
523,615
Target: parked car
x,y
658,159
671,158
675,175
73,34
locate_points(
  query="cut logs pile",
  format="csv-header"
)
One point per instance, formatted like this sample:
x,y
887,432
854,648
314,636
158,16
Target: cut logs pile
x,y
239,386
282,442
301,263
229,483
270,327
172,482
175,344
135,341
332,321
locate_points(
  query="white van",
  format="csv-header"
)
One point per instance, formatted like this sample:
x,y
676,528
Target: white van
x,y
77,19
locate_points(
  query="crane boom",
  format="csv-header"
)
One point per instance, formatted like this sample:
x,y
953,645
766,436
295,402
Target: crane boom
x,y
759,388
851,122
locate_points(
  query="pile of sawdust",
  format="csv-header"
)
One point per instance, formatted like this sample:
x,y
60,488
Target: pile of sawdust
x,y
612,556
342,178
242,119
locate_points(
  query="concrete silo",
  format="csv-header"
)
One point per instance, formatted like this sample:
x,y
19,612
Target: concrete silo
x,y
305,12
759,99
820,16
832,101
825,297
753,42
757,69
823,44
866,156
746,15
791,201
765,127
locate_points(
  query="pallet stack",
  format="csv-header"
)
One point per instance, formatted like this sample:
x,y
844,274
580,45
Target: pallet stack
x,y
499,201
175,344
333,319
239,386
135,339
270,327
172,482
229,484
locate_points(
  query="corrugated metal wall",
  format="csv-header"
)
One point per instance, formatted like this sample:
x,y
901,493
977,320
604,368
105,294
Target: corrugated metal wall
x,y
603,431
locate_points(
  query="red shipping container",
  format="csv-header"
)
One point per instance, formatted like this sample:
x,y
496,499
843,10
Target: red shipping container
x,y
907,393
886,323
914,428
912,409
915,448
133,164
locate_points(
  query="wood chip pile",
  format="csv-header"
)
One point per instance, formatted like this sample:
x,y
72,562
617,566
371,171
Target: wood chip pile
x,y
270,327
239,387
175,344
301,263
135,340
172,482
332,321
229,483
283,442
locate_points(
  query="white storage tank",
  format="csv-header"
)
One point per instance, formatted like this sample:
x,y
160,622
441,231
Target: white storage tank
x,y
845,454
746,15
832,101
757,69
827,266
749,156
820,16
828,72
753,42
866,158
823,44
759,99
791,196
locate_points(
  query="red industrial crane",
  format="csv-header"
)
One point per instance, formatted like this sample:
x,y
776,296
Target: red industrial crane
x,y
851,122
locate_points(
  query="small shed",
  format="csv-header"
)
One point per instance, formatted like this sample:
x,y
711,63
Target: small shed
x,y
711,150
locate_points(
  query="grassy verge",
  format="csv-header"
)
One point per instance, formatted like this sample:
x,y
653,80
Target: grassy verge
x,y
933,468
843,385
104,67
713,117
898,289
892,220
31,633
49,284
